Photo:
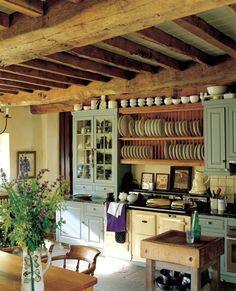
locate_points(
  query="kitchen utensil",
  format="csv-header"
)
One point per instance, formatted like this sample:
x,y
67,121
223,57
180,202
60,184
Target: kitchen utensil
x,y
176,101
194,98
218,191
132,102
200,181
122,196
185,99
124,103
229,95
132,198
168,101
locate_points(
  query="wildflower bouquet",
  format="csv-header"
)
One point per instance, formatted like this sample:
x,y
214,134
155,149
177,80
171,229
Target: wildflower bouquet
x,y
29,214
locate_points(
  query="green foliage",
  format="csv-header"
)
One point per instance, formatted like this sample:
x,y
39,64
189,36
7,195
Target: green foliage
x,y
29,214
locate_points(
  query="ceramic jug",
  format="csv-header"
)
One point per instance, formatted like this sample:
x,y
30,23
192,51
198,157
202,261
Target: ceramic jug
x,y
200,181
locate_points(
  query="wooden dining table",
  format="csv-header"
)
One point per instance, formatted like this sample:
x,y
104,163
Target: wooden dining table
x,y
55,278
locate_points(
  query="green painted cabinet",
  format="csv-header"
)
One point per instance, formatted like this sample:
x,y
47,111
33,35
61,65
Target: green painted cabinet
x,y
96,168
220,137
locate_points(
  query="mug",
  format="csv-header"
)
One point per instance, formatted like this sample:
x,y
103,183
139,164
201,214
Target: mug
x,y
149,101
94,104
124,103
158,100
132,102
221,204
112,104
141,102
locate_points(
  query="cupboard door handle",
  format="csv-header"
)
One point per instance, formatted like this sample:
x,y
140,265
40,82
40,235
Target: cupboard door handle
x,y
209,222
144,221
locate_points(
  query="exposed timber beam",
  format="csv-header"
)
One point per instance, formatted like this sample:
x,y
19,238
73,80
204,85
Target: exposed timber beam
x,y
106,57
233,7
31,8
10,88
144,52
74,1
21,71
202,29
102,19
22,86
4,20
63,70
87,65
164,39
144,83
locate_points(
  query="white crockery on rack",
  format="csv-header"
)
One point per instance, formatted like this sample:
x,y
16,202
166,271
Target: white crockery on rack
x,y
124,103
176,101
168,100
132,102
194,98
185,99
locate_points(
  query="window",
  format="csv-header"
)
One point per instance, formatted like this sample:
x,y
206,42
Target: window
x,y
5,153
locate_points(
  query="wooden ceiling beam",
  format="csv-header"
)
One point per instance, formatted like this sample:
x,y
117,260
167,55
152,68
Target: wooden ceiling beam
x,y
23,86
63,70
135,49
32,8
14,88
168,41
52,108
56,31
75,1
106,57
29,80
202,29
198,77
233,7
8,91
87,65
21,71
4,20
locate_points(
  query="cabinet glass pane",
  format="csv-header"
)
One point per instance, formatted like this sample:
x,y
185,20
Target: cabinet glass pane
x,y
84,149
104,144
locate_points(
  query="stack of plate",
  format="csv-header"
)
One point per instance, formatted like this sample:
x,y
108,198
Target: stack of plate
x,y
123,127
184,151
137,152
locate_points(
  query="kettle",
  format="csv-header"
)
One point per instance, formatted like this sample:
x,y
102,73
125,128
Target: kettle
x,y
199,185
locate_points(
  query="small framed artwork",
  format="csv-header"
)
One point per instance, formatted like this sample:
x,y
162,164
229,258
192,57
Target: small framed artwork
x,y
162,181
26,163
146,178
180,179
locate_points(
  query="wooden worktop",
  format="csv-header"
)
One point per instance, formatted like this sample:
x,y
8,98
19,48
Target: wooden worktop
x,y
163,246
55,278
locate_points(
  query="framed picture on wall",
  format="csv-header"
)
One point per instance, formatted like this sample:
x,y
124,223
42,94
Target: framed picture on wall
x,y
162,181
26,163
146,178
180,178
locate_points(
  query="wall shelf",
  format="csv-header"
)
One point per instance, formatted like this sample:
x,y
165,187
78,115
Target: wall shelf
x,y
162,162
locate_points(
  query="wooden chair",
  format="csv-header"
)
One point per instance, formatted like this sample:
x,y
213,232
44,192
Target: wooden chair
x,y
80,253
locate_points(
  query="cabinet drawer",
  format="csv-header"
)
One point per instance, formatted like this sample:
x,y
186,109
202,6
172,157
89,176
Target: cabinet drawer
x,y
145,224
106,189
212,224
84,187
94,209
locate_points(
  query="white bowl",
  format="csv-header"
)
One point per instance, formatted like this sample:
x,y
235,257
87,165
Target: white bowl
x,y
87,107
168,100
194,98
176,101
185,99
216,90
132,197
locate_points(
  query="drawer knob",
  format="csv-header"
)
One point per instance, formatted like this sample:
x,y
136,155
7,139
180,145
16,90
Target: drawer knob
x,y
144,221
209,222
94,209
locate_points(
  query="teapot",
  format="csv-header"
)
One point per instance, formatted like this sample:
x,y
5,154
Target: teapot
x,y
199,185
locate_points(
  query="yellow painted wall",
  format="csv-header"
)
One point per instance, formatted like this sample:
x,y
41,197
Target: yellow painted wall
x,y
38,133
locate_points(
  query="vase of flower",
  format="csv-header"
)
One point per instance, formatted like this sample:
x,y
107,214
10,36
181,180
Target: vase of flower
x,y
32,272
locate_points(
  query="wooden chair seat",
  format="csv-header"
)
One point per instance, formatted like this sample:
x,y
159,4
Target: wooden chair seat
x,y
80,253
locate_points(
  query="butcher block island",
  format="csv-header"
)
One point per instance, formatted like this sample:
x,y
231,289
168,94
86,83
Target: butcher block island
x,y
170,251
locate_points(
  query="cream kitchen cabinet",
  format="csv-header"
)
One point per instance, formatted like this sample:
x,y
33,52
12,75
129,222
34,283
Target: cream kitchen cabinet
x,y
84,224
147,223
119,250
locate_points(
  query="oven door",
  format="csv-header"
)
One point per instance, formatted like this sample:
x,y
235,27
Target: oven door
x,y
231,249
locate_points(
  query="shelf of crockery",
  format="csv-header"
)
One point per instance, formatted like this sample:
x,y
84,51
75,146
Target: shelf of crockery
x,y
163,162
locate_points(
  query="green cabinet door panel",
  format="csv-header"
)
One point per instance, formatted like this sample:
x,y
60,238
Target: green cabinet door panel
x,y
231,142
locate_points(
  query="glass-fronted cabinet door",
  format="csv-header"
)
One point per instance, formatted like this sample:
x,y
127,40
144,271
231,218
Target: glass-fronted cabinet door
x,y
104,149
84,149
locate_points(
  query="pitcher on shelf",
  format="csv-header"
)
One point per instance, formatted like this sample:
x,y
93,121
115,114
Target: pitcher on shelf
x,y
200,182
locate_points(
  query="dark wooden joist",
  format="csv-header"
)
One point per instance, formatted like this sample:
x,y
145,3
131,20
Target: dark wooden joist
x,y
75,1
166,40
32,8
22,86
233,7
43,75
52,108
198,77
4,20
63,70
29,80
106,57
87,65
10,88
2,90
202,29
146,53
57,31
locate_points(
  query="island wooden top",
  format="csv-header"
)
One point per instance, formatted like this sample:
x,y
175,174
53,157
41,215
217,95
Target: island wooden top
x,y
56,278
171,247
